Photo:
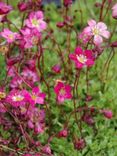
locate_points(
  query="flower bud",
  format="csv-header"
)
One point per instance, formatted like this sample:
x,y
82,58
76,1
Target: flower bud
x,y
22,6
79,144
67,3
56,68
63,133
107,113
60,24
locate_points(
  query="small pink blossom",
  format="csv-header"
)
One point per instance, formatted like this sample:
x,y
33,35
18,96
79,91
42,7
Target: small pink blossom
x,y
30,76
35,21
47,150
29,37
37,96
16,98
114,11
4,8
8,35
97,30
82,58
36,119
16,82
62,91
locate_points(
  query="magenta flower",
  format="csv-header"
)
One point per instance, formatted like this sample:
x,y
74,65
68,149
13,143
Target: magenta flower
x,y
37,96
62,92
82,58
97,30
8,35
4,8
16,98
36,21
114,11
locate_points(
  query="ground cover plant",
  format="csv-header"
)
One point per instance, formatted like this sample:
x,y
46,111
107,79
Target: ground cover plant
x,y
58,78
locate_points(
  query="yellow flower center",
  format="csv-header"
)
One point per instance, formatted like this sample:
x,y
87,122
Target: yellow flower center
x,y
35,22
2,95
95,31
11,36
62,91
34,97
17,98
81,58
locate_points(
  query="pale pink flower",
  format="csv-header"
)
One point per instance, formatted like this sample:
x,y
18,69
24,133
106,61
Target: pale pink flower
x,y
36,21
29,37
62,91
36,119
82,58
114,11
8,35
97,31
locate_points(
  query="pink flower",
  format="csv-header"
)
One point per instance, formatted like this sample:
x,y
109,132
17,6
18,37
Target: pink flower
x,y
62,91
30,37
97,30
36,21
8,35
16,82
30,76
107,113
16,98
47,150
82,58
37,96
114,11
4,8
36,119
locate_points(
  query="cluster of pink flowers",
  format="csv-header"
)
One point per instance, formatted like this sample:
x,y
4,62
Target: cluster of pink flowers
x,y
26,108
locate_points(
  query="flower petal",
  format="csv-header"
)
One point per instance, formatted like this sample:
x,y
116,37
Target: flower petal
x,y
97,40
91,22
